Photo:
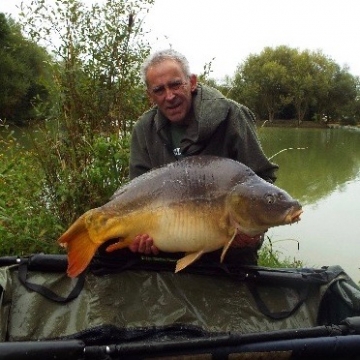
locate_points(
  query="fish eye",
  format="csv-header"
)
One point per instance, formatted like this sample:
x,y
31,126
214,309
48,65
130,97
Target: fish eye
x,y
270,199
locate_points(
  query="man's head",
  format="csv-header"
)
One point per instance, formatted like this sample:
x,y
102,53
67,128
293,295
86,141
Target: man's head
x,y
169,83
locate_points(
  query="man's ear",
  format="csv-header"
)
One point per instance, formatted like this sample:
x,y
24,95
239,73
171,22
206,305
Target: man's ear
x,y
193,82
150,98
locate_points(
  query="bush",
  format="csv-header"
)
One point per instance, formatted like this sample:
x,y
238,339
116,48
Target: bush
x,y
42,193
26,223
81,175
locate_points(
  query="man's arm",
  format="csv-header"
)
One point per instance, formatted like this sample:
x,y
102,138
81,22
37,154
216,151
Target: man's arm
x,y
247,144
139,158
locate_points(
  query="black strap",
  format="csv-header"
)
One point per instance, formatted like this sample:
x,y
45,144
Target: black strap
x,y
46,292
303,292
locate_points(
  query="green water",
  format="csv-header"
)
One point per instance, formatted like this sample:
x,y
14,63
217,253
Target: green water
x,y
322,170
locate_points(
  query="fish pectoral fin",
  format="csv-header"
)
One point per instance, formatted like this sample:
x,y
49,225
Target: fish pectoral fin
x,y
187,260
226,247
120,244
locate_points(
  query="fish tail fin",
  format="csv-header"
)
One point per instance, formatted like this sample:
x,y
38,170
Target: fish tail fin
x,y
79,245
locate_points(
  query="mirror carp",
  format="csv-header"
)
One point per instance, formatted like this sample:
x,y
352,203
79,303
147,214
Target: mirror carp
x,y
196,205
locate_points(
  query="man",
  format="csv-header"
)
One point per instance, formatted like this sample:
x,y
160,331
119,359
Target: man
x,y
191,119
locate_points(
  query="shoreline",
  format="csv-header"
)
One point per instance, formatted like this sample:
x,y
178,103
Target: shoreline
x,y
292,124
304,125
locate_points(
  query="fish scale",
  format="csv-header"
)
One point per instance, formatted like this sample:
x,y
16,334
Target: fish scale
x,y
187,230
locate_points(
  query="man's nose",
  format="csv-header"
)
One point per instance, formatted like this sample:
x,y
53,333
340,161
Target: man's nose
x,y
169,93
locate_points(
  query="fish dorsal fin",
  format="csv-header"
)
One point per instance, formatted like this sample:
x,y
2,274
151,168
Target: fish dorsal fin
x,y
227,245
188,259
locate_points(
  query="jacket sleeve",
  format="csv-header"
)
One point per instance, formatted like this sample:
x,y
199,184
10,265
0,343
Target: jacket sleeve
x,y
247,146
139,157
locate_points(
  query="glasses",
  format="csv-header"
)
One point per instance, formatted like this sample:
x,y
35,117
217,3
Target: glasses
x,y
172,86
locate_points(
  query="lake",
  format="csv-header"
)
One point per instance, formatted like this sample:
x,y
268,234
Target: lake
x,y
321,168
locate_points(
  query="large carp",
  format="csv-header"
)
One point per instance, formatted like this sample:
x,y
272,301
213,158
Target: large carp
x,y
196,205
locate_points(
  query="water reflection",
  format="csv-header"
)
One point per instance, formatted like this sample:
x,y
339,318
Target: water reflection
x,y
325,177
319,162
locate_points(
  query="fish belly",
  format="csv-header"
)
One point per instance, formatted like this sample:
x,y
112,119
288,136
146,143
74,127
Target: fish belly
x,y
184,229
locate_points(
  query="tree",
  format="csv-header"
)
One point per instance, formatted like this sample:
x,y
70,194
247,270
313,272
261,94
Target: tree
x,y
245,91
97,56
299,84
264,77
343,96
22,70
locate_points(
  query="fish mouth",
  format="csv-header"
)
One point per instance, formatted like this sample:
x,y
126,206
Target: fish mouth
x,y
293,216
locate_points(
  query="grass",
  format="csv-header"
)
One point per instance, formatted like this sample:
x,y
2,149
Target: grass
x,y
269,257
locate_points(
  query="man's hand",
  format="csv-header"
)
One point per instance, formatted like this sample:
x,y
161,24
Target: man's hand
x,y
242,240
144,244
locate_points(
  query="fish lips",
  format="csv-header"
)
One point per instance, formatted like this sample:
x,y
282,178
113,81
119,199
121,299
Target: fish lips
x,y
293,215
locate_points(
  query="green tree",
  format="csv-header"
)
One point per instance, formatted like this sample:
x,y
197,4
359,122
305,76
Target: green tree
x,y
246,92
22,71
98,52
324,77
343,98
306,83
302,85
264,77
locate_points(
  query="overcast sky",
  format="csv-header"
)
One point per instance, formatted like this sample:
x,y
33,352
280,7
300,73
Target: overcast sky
x,y
231,30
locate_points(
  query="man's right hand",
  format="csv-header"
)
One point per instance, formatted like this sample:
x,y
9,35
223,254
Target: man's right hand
x,y
144,244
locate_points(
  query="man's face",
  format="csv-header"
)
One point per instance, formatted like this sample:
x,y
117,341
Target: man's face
x,y
170,89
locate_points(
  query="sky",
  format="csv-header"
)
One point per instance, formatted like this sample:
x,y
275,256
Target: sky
x,y
226,32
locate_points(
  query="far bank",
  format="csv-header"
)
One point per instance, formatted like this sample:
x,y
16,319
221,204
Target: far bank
x,y
291,124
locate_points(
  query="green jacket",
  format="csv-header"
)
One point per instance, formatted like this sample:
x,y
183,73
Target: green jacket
x,y
222,127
